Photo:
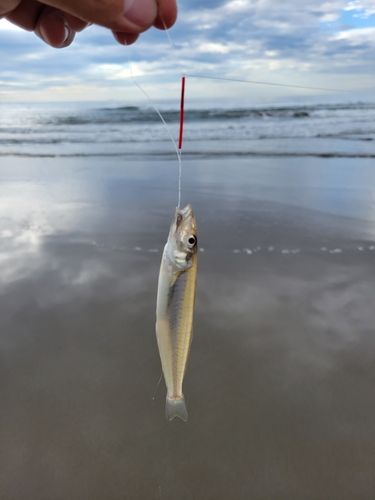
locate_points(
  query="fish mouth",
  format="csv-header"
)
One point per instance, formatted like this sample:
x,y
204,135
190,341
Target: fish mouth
x,y
186,212
186,215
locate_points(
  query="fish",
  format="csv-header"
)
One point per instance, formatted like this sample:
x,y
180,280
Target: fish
x,y
175,307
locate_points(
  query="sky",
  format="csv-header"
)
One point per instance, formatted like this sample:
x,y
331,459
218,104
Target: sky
x,y
328,44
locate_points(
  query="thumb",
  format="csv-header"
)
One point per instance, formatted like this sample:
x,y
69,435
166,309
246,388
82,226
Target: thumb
x,y
130,16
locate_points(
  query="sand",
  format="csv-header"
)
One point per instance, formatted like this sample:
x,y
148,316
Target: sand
x,y
280,382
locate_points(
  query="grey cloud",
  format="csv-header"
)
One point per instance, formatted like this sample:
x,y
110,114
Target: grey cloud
x,y
222,38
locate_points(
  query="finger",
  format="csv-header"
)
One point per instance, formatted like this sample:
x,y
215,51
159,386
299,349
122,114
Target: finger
x,y
7,6
125,38
125,16
53,28
26,14
167,14
75,23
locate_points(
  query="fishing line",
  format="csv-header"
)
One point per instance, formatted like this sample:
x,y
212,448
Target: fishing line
x,y
156,388
254,82
274,84
191,75
178,147
180,135
183,78
165,124
166,30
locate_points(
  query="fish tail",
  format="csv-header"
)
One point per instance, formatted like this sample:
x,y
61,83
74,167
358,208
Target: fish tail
x,y
176,407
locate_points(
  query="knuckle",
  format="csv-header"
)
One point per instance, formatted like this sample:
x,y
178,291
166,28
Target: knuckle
x,y
7,6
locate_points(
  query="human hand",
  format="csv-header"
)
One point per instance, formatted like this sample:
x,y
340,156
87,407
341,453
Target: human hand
x,y
57,21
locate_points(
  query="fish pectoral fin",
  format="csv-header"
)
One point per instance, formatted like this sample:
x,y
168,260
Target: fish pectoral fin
x,y
176,407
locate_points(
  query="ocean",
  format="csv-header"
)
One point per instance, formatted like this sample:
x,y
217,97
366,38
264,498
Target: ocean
x,y
109,129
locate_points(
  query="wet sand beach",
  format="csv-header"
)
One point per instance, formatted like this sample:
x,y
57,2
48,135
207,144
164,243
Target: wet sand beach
x,y
280,382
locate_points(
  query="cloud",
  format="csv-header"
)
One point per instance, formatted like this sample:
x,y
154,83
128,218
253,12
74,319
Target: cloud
x,y
298,43
365,8
355,37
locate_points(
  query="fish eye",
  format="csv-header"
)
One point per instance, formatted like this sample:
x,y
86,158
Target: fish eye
x,y
192,241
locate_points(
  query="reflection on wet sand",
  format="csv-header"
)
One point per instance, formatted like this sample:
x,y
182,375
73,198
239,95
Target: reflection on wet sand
x,y
279,385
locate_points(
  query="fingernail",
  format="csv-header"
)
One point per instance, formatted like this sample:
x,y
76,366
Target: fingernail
x,y
55,31
67,32
140,12
125,38
120,37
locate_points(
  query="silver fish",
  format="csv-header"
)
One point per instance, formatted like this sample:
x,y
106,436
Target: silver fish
x,y
175,305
